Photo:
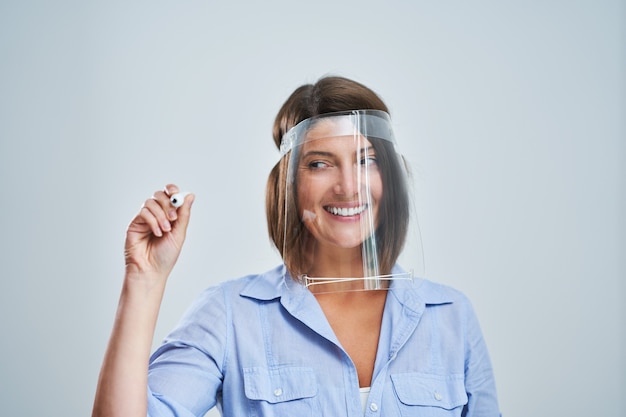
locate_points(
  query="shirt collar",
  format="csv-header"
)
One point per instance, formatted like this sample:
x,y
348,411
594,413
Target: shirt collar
x,y
268,285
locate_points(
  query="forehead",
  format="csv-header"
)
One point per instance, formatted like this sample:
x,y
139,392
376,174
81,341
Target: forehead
x,y
336,145
338,133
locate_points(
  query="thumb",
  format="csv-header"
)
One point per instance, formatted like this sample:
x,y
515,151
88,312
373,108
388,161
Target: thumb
x,y
183,213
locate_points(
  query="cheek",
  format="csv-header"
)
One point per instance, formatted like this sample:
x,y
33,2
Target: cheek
x,y
305,198
310,191
376,191
376,187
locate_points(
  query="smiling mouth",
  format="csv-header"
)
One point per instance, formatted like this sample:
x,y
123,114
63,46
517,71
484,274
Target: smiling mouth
x,y
346,211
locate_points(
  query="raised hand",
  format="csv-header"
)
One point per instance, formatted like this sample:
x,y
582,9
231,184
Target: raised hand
x,y
155,236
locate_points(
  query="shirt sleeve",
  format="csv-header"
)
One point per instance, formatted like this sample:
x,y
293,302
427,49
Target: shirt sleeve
x,y
479,379
186,372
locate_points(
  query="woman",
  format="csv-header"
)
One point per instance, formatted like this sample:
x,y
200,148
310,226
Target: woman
x,y
339,329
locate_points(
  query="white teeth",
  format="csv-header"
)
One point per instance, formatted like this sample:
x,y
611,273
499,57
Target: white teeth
x,y
344,211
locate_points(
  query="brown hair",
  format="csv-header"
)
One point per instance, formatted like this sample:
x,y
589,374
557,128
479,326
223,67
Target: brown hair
x,y
328,95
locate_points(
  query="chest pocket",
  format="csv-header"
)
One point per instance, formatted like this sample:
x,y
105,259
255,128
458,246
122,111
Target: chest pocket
x,y
291,390
421,394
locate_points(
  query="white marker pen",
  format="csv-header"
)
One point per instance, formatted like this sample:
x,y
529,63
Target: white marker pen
x,y
178,199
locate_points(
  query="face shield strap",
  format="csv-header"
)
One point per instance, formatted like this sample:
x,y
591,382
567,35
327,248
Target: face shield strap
x,y
370,123
380,282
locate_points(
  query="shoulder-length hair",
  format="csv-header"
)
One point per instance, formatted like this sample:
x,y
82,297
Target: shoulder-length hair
x,y
286,230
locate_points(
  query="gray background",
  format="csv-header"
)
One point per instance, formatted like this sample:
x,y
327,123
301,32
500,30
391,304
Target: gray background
x,y
511,113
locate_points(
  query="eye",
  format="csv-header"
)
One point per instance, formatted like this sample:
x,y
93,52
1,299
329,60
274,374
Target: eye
x,y
369,160
317,164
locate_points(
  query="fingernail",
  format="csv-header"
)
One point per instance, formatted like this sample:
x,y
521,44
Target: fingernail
x,y
172,214
166,226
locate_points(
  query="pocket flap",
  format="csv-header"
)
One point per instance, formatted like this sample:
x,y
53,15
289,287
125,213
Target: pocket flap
x,y
444,391
279,384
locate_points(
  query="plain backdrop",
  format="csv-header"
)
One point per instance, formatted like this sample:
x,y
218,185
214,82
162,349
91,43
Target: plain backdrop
x,y
511,113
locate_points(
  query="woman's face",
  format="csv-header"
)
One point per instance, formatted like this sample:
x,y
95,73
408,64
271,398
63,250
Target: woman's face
x,y
339,187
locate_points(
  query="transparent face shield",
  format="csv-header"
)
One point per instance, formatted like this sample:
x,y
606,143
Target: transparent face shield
x,y
347,204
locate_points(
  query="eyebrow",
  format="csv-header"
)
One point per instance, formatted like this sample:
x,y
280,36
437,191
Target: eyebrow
x,y
317,153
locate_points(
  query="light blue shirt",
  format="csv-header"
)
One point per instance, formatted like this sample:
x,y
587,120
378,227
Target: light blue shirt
x,y
261,346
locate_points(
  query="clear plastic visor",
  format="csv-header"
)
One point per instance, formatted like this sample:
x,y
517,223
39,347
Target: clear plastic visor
x,y
347,206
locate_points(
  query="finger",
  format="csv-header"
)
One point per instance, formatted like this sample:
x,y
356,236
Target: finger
x,y
171,189
156,211
163,199
145,222
157,227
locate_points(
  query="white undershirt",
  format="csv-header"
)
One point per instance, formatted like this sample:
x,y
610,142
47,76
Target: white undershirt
x,y
365,392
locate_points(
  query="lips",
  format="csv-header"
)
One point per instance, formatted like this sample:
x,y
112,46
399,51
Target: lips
x,y
345,211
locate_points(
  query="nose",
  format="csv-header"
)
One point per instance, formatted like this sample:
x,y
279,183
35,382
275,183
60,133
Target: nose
x,y
348,181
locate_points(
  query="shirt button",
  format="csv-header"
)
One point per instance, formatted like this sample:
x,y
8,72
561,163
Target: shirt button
x,y
278,392
438,396
374,407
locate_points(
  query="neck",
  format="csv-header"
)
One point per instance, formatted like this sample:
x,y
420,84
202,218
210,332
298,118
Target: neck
x,y
337,263
331,265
